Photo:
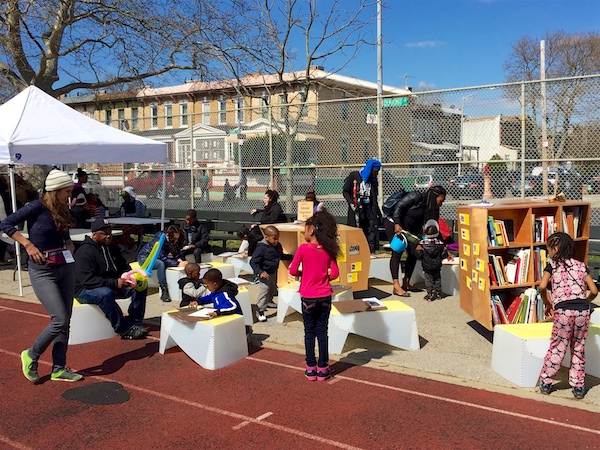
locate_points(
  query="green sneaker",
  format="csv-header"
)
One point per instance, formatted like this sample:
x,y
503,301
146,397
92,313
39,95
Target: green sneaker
x,y
29,367
66,374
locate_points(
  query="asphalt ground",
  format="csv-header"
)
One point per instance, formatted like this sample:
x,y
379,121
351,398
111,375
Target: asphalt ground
x,y
132,396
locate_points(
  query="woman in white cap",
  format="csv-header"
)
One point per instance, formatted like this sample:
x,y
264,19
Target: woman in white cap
x,y
50,251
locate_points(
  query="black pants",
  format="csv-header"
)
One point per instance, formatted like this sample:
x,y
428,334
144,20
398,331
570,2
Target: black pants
x,y
315,313
433,282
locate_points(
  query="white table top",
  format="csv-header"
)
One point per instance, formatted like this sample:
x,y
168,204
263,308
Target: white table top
x,y
136,220
77,235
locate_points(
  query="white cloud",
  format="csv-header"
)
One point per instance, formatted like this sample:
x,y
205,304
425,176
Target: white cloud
x,y
423,44
424,86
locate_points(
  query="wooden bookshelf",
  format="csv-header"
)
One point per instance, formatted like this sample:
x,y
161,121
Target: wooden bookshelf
x,y
519,218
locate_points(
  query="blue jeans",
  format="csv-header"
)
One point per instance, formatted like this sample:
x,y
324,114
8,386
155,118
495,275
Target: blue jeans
x,y
315,312
54,288
159,268
105,298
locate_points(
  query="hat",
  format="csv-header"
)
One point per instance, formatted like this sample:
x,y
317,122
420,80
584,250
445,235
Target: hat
x,y
100,223
57,179
432,223
128,190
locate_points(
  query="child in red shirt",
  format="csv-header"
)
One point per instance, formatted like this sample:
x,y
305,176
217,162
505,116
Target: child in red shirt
x,y
319,266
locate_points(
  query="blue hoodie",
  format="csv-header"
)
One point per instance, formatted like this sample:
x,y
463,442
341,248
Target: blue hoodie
x,y
365,172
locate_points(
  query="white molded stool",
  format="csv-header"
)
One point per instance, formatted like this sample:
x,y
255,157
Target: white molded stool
x,y
89,324
243,298
289,298
396,325
380,269
213,343
239,264
519,350
450,285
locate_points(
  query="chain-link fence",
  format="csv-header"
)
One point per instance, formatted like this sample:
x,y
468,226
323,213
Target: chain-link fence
x,y
534,138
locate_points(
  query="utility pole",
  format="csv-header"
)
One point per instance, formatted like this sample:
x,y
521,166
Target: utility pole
x,y
379,100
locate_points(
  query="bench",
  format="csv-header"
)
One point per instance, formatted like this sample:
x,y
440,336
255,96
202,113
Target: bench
x,y
289,298
518,351
227,224
89,324
213,343
450,284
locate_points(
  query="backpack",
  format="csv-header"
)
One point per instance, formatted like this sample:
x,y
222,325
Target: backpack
x,y
254,237
392,201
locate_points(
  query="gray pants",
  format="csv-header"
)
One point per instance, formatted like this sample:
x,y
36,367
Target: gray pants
x,y
433,282
267,289
54,289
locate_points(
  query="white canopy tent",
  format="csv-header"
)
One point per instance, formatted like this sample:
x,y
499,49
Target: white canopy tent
x,y
35,128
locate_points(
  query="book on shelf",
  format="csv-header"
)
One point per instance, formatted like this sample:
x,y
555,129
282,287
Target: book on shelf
x,y
491,232
499,234
493,278
512,309
511,271
499,308
495,314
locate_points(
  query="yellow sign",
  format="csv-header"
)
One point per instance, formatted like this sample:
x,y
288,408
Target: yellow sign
x,y
463,219
356,267
305,211
352,277
342,255
476,249
463,264
481,284
464,233
469,283
466,249
480,265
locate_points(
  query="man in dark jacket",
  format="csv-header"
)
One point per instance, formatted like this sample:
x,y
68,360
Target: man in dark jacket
x,y
98,281
195,235
360,192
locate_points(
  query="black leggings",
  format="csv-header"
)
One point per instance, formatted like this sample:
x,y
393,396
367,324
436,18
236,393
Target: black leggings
x,y
411,260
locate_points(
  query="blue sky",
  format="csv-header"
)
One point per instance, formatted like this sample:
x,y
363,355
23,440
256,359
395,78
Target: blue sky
x,y
443,44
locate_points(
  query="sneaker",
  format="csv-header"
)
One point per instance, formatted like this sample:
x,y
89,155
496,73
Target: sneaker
x,y
143,328
271,305
255,280
164,296
323,373
428,297
311,373
261,316
66,374
29,367
546,388
579,392
134,332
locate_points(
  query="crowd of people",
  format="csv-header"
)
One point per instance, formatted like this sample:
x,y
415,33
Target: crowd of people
x,y
99,276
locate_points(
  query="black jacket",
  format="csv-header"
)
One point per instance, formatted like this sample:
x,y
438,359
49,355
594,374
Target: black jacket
x,y
409,212
196,233
266,258
98,266
272,214
434,251
367,210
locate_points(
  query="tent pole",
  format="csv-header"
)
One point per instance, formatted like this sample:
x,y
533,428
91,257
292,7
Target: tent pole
x,y
14,208
164,196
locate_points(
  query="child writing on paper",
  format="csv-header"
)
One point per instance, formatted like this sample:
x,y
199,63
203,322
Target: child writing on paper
x,y
319,266
243,233
431,251
569,278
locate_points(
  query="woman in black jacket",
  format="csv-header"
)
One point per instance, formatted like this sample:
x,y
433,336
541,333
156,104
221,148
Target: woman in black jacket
x,y
272,212
410,214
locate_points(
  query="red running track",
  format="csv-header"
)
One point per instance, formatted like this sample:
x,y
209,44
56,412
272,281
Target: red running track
x,y
262,402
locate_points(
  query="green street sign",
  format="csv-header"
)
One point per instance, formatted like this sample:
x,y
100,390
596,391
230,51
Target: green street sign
x,y
398,101
235,131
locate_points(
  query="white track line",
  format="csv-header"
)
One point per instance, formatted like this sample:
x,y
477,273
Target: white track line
x,y
245,422
443,399
14,444
183,401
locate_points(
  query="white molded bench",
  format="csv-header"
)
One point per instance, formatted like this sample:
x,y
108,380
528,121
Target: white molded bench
x,y
239,264
450,285
519,350
213,343
289,299
380,269
89,324
396,325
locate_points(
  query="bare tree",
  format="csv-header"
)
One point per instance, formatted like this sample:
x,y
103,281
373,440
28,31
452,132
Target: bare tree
x,y
302,34
567,55
64,45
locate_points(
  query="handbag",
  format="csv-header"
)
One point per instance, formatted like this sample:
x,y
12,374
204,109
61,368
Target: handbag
x,y
55,257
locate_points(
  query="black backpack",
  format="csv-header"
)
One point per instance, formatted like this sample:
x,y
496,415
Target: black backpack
x,y
254,237
392,201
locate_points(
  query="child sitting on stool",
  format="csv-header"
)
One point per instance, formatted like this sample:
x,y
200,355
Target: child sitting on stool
x,y
211,290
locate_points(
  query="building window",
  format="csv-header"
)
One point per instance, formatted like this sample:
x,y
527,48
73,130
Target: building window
x,y
123,125
135,113
264,109
222,110
108,118
240,110
169,115
206,113
153,116
183,113
283,109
